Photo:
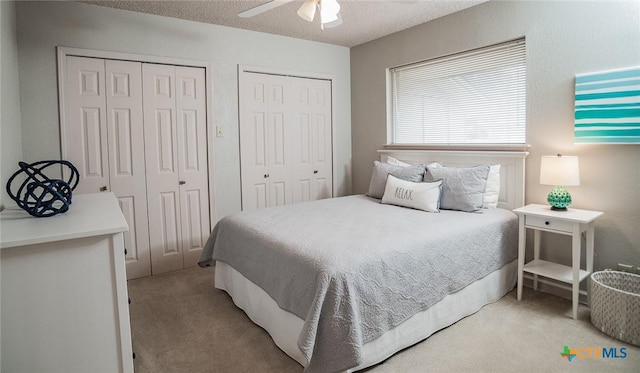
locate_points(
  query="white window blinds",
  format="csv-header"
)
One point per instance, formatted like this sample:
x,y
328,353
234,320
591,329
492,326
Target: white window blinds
x,y
475,97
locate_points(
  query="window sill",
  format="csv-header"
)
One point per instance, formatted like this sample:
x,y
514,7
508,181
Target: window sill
x,y
467,147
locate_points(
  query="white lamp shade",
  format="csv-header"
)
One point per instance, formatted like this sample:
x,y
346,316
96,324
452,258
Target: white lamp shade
x,y
329,10
308,10
559,170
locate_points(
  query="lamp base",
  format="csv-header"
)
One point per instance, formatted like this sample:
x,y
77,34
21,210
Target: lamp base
x,y
559,198
558,208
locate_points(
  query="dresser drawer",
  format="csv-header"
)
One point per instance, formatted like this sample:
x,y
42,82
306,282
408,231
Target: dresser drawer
x,y
547,223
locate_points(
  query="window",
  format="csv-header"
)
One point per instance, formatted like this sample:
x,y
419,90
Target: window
x,y
475,97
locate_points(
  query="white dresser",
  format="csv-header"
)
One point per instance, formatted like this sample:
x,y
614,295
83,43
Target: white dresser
x,y
64,289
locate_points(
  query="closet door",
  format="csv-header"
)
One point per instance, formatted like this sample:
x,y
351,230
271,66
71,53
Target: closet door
x,y
140,131
161,154
176,159
285,140
127,177
321,139
85,128
310,140
103,137
192,161
265,121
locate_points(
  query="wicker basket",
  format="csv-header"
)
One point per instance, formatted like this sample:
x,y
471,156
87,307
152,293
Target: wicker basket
x,y
615,305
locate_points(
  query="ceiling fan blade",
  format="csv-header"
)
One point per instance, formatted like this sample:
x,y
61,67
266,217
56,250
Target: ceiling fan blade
x,y
263,8
333,24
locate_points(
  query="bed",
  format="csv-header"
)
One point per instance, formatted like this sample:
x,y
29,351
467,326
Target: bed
x,y
342,284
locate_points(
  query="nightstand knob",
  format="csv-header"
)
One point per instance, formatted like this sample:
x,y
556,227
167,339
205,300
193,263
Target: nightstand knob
x,y
546,223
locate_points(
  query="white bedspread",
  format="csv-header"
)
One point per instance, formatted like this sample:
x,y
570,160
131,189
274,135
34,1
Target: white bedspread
x,y
353,268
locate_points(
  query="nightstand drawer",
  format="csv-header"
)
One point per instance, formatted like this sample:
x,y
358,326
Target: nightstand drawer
x,y
546,223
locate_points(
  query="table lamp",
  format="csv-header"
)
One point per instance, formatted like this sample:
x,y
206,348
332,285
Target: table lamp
x,y
559,170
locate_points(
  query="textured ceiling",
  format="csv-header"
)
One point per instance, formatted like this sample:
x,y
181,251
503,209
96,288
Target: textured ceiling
x,y
362,20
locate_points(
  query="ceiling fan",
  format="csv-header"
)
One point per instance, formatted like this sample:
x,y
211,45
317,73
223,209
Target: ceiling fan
x,y
329,11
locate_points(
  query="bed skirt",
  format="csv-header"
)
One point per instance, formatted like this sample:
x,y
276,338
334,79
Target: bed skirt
x,y
285,327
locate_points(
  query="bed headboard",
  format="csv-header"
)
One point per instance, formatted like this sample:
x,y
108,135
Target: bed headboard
x,y
511,169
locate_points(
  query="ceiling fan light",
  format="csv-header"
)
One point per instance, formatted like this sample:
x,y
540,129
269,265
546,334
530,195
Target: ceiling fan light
x,y
333,24
329,11
324,19
330,6
308,10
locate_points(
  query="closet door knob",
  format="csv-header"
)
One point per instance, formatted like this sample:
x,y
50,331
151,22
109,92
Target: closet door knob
x,y
182,182
315,172
103,188
266,176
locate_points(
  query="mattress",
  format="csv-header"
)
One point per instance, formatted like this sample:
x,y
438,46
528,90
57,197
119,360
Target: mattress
x,y
285,327
353,268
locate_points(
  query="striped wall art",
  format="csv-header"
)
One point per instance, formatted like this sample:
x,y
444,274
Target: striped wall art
x,y
608,107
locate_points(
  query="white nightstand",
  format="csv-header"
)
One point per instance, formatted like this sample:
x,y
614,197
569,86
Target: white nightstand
x,y
571,222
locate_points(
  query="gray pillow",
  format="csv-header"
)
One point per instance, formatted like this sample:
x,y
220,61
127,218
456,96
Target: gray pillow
x,y
382,170
462,188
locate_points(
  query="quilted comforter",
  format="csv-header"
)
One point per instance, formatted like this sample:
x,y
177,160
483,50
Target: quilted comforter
x,y
353,268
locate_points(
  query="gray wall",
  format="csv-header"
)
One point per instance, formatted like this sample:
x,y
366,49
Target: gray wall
x,y
10,131
43,26
563,39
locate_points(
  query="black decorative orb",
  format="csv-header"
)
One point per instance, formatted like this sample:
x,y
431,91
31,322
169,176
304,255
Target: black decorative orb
x,y
39,195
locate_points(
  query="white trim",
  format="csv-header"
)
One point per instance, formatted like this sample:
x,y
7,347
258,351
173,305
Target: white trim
x,y
284,72
64,52
389,106
306,75
135,57
462,147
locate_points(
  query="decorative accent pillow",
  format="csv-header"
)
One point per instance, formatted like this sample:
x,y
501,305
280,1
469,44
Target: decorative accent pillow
x,y
492,191
382,170
462,188
422,196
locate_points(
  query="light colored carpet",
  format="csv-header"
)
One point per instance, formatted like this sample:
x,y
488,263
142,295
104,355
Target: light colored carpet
x,y
181,323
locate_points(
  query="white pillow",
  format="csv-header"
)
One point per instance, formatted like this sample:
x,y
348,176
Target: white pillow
x,y
396,162
492,192
422,196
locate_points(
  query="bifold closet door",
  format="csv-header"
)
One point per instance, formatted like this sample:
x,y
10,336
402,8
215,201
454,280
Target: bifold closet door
x,y
311,146
103,137
264,122
285,140
192,161
177,187
85,128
